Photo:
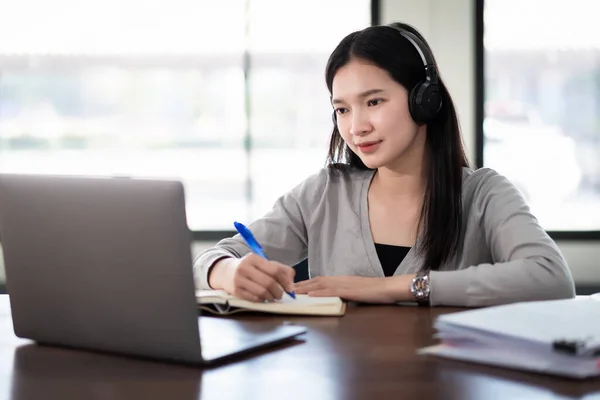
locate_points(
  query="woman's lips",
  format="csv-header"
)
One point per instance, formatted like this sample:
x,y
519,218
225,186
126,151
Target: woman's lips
x,y
368,147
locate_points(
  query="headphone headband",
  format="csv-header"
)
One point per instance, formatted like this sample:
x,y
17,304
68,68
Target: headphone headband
x,y
424,53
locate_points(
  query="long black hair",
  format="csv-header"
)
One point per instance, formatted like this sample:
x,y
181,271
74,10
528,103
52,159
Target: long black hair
x,y
441,213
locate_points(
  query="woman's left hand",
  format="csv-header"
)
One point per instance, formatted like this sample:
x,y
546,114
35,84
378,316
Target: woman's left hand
x,y
358,288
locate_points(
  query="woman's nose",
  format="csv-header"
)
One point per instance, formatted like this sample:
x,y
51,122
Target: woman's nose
x,y
360,124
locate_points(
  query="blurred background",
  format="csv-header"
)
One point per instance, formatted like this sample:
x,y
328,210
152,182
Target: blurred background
x,y
542,106
230,98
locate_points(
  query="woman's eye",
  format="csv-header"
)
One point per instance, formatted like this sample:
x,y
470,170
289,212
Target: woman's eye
x,y
374,102
340,110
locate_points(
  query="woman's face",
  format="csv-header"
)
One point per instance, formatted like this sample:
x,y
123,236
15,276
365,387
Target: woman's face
x,y
373,115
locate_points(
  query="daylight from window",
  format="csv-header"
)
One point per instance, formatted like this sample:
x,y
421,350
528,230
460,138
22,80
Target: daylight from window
x,y
158,89
542,106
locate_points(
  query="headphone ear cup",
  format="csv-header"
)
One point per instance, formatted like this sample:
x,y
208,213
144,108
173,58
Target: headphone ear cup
x,y
425,102
413,107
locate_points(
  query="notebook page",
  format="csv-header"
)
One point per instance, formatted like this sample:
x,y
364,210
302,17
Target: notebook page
x,y
305,300
212,293
300,300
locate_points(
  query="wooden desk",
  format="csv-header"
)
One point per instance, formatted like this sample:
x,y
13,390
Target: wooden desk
x,y
367,354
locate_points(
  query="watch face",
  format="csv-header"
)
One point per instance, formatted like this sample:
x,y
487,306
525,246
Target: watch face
x,y
420,288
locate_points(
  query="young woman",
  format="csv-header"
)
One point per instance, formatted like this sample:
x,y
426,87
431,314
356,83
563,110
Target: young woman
x,y
397,214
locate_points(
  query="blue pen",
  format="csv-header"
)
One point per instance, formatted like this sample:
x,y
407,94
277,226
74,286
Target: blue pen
x,y
253,244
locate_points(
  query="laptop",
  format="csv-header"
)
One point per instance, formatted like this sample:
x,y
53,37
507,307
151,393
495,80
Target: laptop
x,y
105,264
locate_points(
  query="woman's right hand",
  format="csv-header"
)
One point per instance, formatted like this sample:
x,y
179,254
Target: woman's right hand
x,y
252,277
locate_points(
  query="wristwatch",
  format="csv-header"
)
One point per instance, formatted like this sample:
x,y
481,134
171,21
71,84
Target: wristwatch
x,y
420,288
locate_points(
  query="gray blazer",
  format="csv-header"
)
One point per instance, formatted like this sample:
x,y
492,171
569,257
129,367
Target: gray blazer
x,y
505,256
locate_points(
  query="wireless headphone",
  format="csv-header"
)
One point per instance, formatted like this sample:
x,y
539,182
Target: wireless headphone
x,y
425,98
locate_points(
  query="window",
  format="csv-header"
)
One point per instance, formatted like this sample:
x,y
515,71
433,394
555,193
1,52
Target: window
x,y
540,117
229,97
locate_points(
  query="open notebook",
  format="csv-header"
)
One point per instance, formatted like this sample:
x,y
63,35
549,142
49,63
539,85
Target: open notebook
x,y
220,302
556,337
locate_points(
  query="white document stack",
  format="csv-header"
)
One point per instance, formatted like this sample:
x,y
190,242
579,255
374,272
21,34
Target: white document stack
x,y
558,337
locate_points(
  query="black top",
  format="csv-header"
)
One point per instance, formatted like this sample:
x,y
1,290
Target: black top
x,y
390,257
